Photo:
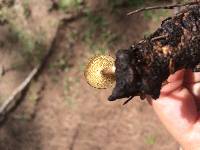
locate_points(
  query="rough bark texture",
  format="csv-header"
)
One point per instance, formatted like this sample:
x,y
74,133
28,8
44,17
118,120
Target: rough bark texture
x,y
141,69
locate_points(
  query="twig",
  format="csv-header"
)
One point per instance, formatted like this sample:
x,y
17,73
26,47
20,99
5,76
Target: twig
x,y
162,7
14,99
177,9
159,37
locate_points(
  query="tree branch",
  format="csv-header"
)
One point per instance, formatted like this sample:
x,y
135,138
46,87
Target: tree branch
x,y
172,6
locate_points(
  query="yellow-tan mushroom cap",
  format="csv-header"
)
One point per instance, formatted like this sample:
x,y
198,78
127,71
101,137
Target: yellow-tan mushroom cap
x,y
95,72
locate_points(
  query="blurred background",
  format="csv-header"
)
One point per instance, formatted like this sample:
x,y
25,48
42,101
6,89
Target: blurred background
x,y
60,111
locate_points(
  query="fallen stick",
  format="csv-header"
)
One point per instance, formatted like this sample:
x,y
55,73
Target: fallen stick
x,y
12,100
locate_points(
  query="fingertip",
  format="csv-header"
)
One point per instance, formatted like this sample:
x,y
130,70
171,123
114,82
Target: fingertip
x,y
176,76
175,81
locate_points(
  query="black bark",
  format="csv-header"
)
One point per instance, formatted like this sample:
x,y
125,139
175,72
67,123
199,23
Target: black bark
x,y
141,69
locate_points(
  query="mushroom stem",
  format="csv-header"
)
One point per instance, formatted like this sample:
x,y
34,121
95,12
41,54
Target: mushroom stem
x,y
110,71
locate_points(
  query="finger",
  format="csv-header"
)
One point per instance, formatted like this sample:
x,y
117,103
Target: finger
x,y
195,90
177,76
192,82
191,77
177,111
174,82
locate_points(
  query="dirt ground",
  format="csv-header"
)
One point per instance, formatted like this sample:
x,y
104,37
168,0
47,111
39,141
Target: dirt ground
x,y
61,111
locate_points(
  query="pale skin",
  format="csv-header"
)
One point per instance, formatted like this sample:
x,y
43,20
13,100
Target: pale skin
x,y
179,108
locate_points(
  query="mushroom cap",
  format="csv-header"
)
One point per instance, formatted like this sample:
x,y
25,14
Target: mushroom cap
x,y
93,71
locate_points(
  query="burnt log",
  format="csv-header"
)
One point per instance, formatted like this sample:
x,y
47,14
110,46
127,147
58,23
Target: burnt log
x,y
175,45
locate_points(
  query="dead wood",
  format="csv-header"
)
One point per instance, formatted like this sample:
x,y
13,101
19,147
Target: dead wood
x,y
172,6
142,68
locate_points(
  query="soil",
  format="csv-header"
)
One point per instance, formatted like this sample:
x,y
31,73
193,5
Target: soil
x,y
61,111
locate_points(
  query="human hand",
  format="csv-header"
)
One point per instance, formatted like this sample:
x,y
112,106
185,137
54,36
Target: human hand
x,y
178,108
